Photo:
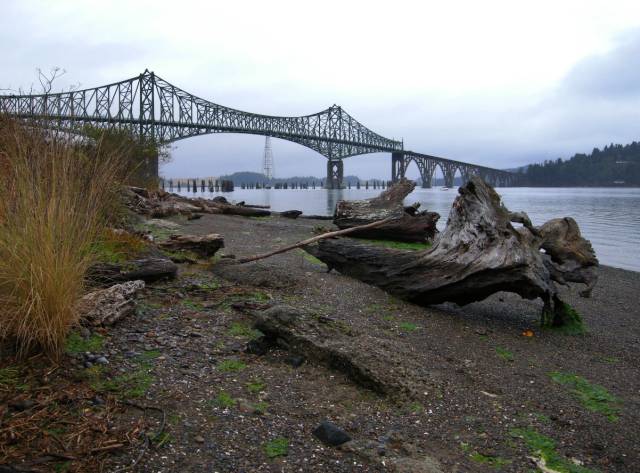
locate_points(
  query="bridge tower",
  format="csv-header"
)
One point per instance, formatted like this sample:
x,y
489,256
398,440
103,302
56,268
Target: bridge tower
x,y
267,159
335,174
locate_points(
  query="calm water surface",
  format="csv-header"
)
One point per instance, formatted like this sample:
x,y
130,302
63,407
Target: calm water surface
x,y
609,217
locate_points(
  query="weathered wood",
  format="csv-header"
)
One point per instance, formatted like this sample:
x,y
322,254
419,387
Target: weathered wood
x,y
108,306
146,269
479,253
407,224
204,246
161,204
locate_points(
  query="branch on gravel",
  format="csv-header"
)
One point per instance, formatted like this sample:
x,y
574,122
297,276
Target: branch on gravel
x,y
314,239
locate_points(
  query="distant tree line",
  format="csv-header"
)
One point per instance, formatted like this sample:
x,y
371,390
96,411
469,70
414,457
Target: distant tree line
x,y
615,165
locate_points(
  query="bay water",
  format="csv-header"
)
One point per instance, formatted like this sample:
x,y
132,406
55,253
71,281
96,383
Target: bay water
x,y
609,217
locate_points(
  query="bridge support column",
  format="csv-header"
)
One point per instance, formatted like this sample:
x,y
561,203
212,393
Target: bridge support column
x,y
335,174
398,166
448,171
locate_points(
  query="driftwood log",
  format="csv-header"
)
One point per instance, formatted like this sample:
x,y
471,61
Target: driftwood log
x,y
203,246
407,224
479,253
161,204
108,306
146,269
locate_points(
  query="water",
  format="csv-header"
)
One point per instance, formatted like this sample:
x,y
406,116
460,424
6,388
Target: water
x,y
609,217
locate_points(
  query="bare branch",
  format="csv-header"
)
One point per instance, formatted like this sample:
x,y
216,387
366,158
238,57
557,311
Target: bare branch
x,y
47,79
314,239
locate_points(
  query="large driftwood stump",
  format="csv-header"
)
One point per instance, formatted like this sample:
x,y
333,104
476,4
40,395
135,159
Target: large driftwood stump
x,y
479,253
407,224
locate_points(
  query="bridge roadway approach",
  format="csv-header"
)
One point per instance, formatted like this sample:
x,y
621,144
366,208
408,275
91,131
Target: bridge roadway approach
x,y
153,109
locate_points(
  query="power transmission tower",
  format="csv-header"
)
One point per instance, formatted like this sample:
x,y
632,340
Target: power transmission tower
x,y
267,160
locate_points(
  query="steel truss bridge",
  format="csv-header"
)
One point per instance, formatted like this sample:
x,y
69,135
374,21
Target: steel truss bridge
x,y
153,109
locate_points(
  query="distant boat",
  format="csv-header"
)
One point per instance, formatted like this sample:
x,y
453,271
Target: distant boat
x,y
444,188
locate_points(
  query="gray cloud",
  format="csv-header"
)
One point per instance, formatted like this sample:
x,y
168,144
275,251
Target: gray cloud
x,y
614,75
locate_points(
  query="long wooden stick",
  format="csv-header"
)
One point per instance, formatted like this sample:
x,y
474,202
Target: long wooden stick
x,y
308,241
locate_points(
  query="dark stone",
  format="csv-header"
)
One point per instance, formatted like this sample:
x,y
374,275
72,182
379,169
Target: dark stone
x,y
194,216
22,405
97,400
295,360
220,200
258,346
330,434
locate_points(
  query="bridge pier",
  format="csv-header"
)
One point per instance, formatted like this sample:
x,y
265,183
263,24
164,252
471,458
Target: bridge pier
x,y
448,171
398,166
335,174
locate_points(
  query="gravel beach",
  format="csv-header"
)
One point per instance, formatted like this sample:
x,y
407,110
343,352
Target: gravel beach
x,y
481,387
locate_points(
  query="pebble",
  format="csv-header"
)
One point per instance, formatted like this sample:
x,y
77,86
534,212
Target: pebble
x,y
88,364
102,360
199,439
330,434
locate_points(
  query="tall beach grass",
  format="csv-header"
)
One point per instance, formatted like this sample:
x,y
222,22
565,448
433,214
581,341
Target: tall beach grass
x,y
56,196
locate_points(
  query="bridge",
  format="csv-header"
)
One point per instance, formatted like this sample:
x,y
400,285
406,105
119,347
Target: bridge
x,y
152,108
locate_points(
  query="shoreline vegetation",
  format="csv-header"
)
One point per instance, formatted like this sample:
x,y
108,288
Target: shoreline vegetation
x,y
133,340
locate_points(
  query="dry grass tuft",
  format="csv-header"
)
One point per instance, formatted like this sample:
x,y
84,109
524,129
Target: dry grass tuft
x,y
56,195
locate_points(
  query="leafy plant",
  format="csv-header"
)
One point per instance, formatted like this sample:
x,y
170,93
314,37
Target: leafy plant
x,y
242,330
77,344
504,354
408,326
224,400
255,386
277,447
231,365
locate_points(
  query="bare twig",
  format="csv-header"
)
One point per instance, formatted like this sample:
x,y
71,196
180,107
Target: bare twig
x,y
313,240
47,79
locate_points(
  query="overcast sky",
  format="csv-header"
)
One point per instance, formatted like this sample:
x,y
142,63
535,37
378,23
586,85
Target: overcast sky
x,y
498,83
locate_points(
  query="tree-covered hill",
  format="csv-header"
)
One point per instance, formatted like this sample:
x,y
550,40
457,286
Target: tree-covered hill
x,y
615,165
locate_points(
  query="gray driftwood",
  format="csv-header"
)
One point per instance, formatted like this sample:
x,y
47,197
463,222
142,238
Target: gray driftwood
x,y
108,306
161,204
147,269
479,253
203,246
407,223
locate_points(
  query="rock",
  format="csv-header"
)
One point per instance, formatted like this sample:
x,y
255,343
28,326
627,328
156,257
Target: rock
x,y
194,216
258,346
199,438
330,434
291,213
88,364
295,360
204,246
102,361
107,306
22,405
97,400
327,342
